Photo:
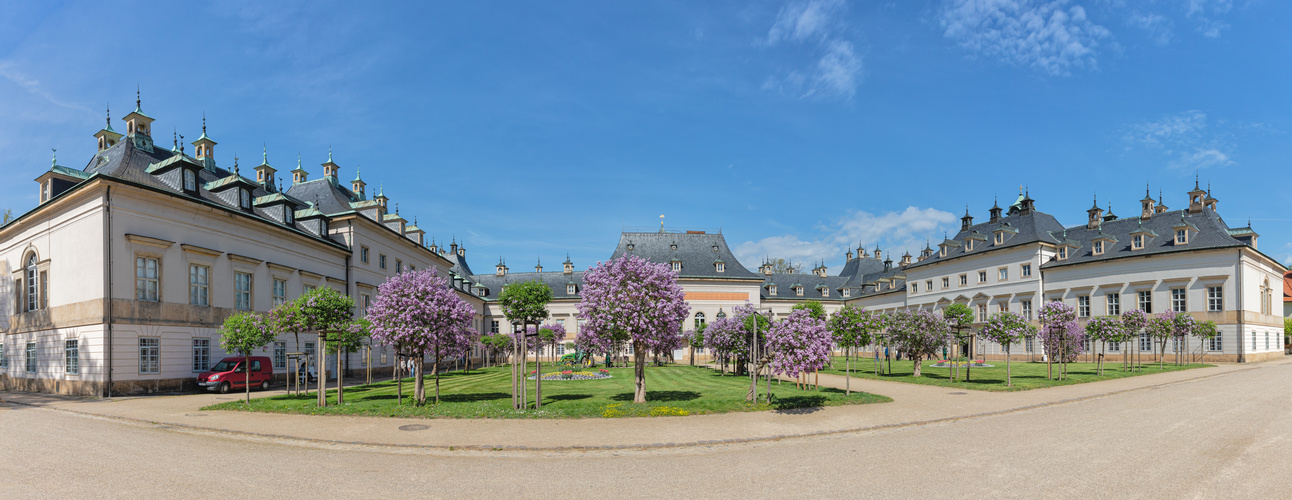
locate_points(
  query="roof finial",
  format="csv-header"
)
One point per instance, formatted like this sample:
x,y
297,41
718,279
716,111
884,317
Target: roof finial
x,y
329,152
181,144
1195,180
204,123
54,160
137,99
298,159
396,208
235,165
264,153
108,112
174,139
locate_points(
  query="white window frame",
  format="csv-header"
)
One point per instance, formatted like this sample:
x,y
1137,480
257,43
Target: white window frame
x,y
1215,299
677,266
4,358
242,293
1145,342
1113,303
280,353
279,292
1027,309
1216,343
1144,299
1025,270
1181,236
201,355
1083,306
381,261
149,355
190,180
1002,274
982,313
1179,300
964,280
928,285
915,288
720,267
244,199
199,285
32,356
72,356
946,282
363,254
1137,242
147,280
1097,247
570,289
982,276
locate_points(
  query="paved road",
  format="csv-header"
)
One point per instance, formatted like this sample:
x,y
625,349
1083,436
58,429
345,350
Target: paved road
x,y
1223,436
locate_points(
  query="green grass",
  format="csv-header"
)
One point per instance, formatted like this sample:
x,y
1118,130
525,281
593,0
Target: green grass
x,y
670,390
1025,375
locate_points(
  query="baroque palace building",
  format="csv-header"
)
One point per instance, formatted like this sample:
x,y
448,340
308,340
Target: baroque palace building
x,y
118,281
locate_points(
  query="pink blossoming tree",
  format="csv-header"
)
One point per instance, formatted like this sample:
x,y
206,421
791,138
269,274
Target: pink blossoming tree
x,y
1060,335
918,334
632,300
1007,329
418,312
798,344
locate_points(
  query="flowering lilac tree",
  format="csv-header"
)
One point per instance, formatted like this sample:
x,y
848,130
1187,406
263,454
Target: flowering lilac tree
x,y
725,338
243,333
919,334
417,311
632,300
1060,335
1170,324
1133,322
1159,328
1007,329
852,327
1104,329
798,344
1205,331
546,335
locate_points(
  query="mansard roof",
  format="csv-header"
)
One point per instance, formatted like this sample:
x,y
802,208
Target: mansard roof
x,y
556,280
695,250
1211,232
329,197
1019,229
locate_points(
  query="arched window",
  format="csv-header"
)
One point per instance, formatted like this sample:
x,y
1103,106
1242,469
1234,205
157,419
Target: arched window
x,y
721,315
246,200
33,284
190,180
699,320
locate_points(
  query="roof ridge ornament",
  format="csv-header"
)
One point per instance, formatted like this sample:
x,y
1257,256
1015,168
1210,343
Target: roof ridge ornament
x,y
54,160
138,100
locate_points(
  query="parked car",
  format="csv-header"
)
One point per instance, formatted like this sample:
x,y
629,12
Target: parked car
x,y
230,373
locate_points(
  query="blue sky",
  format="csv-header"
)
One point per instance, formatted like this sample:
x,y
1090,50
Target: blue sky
x,y
800,128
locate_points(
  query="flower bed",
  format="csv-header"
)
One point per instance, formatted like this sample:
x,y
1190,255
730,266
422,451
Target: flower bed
x,y
573,375
977,363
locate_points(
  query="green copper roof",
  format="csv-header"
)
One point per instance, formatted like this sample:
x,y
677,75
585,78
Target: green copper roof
x,y
71,172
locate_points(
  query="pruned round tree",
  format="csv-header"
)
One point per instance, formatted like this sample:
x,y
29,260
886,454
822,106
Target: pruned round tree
x,y
323,311
1133,321
417,311
1061,337
1006,328
1104,329
852,327
918,334
632,300
243,333
525,303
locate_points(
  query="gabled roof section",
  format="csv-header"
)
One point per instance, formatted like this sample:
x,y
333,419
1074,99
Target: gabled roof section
x,y
330,198
697,251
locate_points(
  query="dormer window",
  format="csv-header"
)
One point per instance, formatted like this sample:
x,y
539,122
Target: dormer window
x,y
1098,247
720,267
1137,242
771,290
847,292
1000,238
715,249
245,197
322,227
968,245
190,180
1181,236
570,289
629,247
1063,253
288,215
798,290
677,266
825,292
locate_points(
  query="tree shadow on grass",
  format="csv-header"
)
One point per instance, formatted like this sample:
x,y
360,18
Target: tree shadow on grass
x,y
798,405
660,396
567,397
452,398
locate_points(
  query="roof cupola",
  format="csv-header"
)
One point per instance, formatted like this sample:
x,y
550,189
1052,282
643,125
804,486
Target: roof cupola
x,y
107,137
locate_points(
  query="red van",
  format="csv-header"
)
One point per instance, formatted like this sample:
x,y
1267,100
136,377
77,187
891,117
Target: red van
x,y
230,373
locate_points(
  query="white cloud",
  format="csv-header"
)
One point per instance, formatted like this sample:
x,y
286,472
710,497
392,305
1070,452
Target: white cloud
x,y
9,72
1158,27
803,20
893,232
1185,139
1048,36
1205,12
837,68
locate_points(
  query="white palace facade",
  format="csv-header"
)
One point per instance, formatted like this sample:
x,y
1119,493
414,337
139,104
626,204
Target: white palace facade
x,y
118,280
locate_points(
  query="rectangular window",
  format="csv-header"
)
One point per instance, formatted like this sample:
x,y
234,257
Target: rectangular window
x,y
1146,301
399,266
1216,343
383,355
280,355
1025,270
72,356
560,349
964,279
4,359
1114,304
915,288
1063,253
146,279
363,255
201,355
242,291
1098,247
381,261
1253,341
310,288
493,328
1114,346
199,285
280,292
31,357
1215,298
150,355
1178,300
1083,306
946,282
1145,342
1267,341
982,276
1002,274
982,313
928,286
1181,236
1027,344
309,348
1137,242
1027,310
44,291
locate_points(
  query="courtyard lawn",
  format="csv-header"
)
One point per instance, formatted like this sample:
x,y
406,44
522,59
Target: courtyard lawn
x,y
1026,375
486,393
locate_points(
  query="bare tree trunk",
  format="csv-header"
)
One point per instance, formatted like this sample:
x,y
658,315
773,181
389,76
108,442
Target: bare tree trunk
x,y
419,384
538,374
321,366
639,373
1009,382
436,370
847,373
246,369
916,360
340,383
515,383
399,379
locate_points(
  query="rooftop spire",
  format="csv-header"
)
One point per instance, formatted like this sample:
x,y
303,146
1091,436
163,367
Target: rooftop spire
x,y
264,153
1195,181
54,159
329,152
204,123
356,172
108,117
137,99
235,165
